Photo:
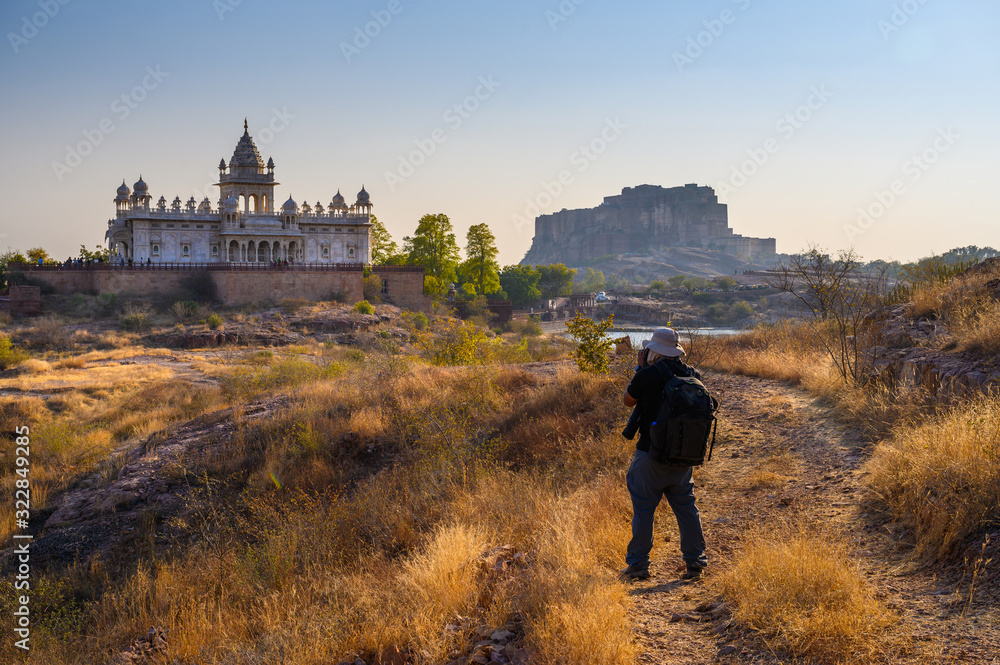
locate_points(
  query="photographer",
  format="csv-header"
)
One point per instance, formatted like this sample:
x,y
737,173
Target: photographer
x,y
649,481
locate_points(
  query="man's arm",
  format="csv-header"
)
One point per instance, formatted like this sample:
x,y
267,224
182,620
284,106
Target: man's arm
x,y
628,399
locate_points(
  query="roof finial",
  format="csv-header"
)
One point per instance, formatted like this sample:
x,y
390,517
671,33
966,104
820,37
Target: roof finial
x,y
246,129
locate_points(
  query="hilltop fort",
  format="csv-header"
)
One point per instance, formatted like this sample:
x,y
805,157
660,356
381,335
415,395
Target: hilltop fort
x,y
641,219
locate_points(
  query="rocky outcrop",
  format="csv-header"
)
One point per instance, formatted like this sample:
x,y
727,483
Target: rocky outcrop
x,y
914,356
115,508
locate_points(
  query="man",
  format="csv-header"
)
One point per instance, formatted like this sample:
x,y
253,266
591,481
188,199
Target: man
x,y
649,481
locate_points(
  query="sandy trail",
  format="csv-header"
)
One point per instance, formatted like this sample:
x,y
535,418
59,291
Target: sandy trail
x,y
769,428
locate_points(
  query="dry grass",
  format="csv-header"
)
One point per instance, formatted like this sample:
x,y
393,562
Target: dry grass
x,y
785,352
803,595
356,554
940,478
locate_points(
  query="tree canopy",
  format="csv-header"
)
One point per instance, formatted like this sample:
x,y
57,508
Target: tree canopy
x,y
383,247
433,247
520,283
555,280
480,267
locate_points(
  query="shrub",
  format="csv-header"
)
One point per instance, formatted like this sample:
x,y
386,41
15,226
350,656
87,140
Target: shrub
x,y
10,355
214,321
293,305
338,297
940,478
530,328
456,343
803,594
134,319
420,321
591,354
364,307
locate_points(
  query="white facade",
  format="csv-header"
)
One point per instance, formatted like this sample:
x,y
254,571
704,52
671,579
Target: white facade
x,y
244,228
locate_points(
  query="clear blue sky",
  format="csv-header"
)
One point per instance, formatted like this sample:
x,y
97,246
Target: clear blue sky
x,y
885,85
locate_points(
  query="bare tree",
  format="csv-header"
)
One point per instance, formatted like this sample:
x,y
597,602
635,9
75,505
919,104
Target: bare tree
x,y
844,301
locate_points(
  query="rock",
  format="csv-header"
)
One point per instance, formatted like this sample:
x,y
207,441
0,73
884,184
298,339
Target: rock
x,y
502,636
727,651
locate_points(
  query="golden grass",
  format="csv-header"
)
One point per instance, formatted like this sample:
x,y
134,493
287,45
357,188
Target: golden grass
x,y
940,478
344,559
784,352
109,377
801,592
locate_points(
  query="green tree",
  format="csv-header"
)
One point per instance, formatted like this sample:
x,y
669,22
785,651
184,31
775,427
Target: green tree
x,y
102,253
480,267
726,283
677,281
618,282
8,257
555,280
592,281
36,253
434,248
593,342
657,286
521,284
383,247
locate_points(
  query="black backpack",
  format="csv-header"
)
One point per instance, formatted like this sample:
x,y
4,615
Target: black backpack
x,y
684,421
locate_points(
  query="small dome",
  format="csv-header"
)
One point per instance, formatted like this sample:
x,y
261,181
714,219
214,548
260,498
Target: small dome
x,y
270,163
232,203
140,186
363,197
222,164
338,199
290,205
206,205
123,191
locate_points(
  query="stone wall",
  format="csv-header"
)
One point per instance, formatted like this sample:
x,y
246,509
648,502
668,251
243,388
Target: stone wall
x,y
402,285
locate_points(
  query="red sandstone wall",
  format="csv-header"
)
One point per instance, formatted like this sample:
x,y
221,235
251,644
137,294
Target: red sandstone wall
x,y
238,288
406,288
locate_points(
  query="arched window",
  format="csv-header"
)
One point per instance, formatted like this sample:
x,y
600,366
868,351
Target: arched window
x,y
234,251
253,203
243,202
251,253
263,202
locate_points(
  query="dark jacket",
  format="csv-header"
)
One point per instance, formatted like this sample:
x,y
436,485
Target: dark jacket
x,y
647,386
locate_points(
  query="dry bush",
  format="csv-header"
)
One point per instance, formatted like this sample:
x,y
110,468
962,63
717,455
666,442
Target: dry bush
x,y
940,478
36,366
977,329
71,362
785,352
49,333
801,592
390,492
141,412
555,418
21,411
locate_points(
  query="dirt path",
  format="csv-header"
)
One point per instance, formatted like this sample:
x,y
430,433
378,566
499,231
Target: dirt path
x,y
779,457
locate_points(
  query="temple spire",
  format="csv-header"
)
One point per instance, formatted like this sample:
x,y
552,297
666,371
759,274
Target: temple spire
x,y
246,128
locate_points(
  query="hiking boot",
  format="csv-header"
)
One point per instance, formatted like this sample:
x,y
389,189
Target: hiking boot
x,y
634,572
692,573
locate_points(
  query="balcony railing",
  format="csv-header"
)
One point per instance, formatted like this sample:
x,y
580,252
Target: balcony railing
x,y
216,266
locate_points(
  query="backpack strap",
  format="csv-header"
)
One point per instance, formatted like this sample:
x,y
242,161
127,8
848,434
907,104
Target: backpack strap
x,y
715,427
664,371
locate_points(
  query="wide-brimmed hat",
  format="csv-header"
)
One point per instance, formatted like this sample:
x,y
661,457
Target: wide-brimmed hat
x,y
666,342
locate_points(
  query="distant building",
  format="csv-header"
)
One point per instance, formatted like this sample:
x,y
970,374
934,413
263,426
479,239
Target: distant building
x,y
244,227
640,219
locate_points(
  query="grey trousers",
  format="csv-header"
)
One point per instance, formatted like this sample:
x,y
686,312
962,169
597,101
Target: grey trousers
x,y
648,482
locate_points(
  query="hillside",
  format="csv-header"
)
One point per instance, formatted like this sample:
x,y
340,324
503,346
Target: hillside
x,y
659,265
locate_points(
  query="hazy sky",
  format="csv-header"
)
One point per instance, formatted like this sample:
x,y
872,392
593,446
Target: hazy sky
x,y
800,113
